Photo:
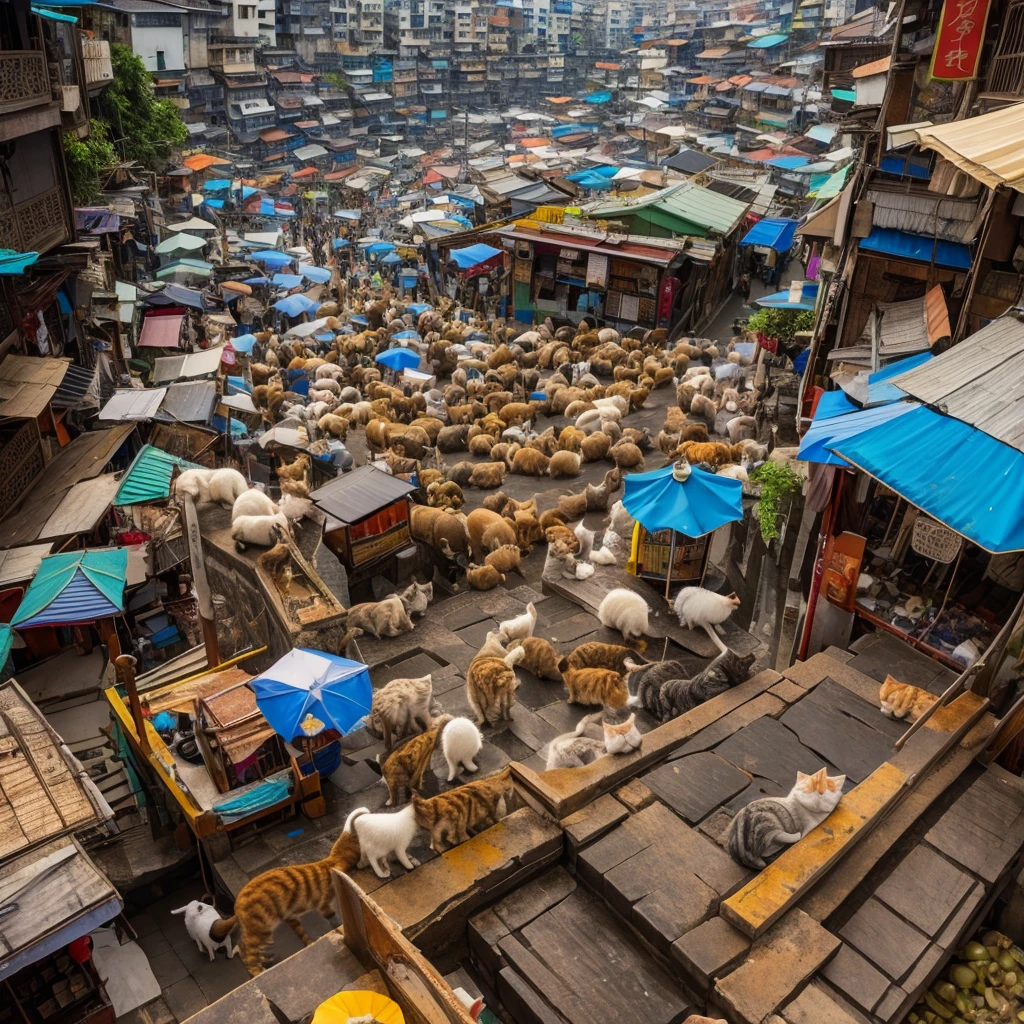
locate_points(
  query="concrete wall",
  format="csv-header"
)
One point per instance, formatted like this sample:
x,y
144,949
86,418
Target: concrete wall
x,y
147,42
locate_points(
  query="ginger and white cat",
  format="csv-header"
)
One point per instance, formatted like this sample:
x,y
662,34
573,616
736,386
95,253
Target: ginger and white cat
x,y
901,700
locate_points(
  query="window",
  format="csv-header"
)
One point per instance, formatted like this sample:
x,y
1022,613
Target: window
x,y
246,11
1006,69
161,60
148,20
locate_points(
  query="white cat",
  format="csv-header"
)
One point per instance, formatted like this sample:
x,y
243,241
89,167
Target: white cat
x,y
460,743
381,835
198,919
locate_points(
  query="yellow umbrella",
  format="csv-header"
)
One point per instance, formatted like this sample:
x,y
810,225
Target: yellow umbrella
x,y
365,1006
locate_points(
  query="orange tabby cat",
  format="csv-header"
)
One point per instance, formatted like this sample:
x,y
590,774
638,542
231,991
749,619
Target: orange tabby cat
x,y
449,816
285,894
901,700
541,658
405,767
598,655
491,686
596,686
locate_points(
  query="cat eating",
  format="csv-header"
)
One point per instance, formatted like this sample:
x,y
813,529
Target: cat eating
x,y
765,826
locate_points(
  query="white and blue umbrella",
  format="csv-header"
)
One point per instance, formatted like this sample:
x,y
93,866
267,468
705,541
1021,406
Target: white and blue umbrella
x,y
307,691
399,359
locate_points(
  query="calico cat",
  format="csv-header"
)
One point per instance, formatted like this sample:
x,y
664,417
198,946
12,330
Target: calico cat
x,y
491,686
400,709
580,747
406,765
449,816
901,700
285,894
598,655
596,686
665,689
764,826
540,658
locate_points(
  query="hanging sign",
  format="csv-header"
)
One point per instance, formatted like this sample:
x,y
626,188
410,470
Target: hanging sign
x,y
959,40
933,540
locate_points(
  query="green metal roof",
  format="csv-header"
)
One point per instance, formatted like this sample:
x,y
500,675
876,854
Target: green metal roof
x,y
685,206
75,586
832,185
149,476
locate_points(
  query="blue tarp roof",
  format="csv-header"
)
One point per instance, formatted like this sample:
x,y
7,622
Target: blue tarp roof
x,y
816,444
780,300
956,473
472,255
75,586
879,388
765,42
774,232
893,242
788,163
598,97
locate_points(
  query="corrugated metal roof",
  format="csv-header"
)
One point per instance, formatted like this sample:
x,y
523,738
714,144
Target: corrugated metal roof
x,y
75,586
191,402
692,203
149,476
980,381
354,496
956,220
989,148
196,364
80,389
82,508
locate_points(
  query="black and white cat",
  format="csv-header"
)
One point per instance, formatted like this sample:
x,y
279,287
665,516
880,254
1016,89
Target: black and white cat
x,y
765,826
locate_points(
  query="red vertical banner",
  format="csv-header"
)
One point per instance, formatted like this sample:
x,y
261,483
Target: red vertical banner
x,y
959,40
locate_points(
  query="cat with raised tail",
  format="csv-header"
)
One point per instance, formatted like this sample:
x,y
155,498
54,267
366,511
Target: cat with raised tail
x,y
765,826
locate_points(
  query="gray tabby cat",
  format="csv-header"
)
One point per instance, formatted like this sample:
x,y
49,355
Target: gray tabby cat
x,y
664,690
765,826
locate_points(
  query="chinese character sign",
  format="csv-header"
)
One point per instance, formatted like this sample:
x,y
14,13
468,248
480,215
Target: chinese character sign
x,y
959,40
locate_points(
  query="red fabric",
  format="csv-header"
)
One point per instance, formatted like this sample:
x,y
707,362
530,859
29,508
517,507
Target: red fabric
x,y
80,950
133,537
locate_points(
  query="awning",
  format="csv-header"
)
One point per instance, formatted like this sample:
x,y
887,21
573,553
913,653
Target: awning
x,y
767,42
956,473
356,495
772,232
82,508
196,364
827,430
75,586
473,255
29,383
161,331
181,243
133,404
20,564
904,245
989,148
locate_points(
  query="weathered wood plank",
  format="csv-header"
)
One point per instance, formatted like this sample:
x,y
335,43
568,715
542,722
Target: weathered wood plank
x,y
925,889
763,706
815,1006
522,906
709,950
694,786
855,978
593,821
884,938
566,790
776,967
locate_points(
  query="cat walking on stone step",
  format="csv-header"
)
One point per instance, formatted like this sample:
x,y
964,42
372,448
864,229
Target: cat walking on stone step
x,y
765,826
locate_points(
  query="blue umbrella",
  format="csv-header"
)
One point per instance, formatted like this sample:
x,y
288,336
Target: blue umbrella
x,y
244,343
272,258
308,691
256,280
695,506
318,275
399,359
379,248
392,257
407,336
288,280
295,305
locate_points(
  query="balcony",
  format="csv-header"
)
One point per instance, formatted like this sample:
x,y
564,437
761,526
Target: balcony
x,y
96,57
36,225
24,80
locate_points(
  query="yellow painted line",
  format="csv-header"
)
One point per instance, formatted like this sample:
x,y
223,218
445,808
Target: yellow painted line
x,y
760,902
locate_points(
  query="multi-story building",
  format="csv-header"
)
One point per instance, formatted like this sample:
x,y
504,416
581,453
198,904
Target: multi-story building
x,y
469,32
413,28
247,108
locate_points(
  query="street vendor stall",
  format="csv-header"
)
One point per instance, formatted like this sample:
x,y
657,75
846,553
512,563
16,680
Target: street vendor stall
x,y
677,509
368,522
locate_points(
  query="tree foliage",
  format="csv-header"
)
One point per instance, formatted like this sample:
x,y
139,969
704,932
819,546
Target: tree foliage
x,y
87,159
781,323
144,128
